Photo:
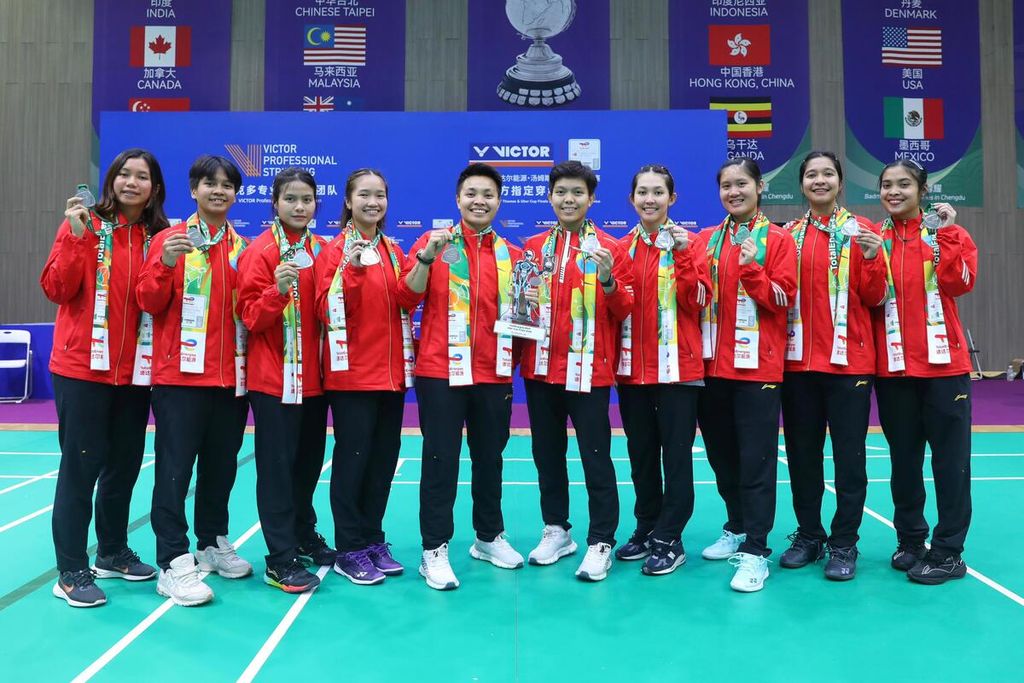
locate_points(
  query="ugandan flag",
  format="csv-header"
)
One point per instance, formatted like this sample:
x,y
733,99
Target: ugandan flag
x,y
748,117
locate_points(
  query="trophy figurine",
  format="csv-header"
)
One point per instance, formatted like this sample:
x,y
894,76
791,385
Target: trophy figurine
x,y
538,78
518,320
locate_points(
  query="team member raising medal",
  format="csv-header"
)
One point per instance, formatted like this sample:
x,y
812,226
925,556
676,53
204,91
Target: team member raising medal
x,y
277,303
830,364
660,371
924,384
753,276
102,353
368,363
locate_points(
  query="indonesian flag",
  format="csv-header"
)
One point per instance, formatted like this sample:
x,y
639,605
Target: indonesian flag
x,y
160,46
913,118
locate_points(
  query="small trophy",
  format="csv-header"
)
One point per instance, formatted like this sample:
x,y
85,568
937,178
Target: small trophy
x,y
518,319
538,78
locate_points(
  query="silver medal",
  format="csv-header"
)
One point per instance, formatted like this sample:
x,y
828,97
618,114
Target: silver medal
x,y
451,254
369,256
590,244
851,228
932,221
195,236
664,240
85,194
741,236
549,264
302,259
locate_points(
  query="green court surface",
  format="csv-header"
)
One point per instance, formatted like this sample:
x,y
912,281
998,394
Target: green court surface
x,y
533,624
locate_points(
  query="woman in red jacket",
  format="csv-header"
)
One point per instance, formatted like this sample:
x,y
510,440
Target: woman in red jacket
x,y
584,297
277,303
368,361
924,385
463,372
753,277
660,372
830,365
100,364
189,286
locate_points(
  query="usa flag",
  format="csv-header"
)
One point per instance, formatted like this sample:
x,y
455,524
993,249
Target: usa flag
x,y
902,46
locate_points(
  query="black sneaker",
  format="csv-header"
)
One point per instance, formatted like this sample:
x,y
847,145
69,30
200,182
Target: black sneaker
x,y
842,563
637,548
316,551
79,589
291,578
937,567
802,552
124,564
907,555
665,558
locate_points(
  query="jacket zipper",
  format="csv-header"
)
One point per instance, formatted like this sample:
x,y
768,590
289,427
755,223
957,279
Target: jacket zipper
x,y
223,289
810,300
723,265
124,317
899,297
387,301
640,323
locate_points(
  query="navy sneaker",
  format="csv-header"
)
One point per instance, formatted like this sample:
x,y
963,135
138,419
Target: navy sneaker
x,y
907,554
79,589
380,555
636,548
124,564
937,567
291,577
842,563
802,552
357,568
316,551
665,558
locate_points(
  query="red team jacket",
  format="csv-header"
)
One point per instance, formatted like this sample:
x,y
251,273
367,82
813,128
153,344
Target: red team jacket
x,y
610,311
159,292
867,290
373,320
693,292
261,307
956,272
432,358
779,268
69,280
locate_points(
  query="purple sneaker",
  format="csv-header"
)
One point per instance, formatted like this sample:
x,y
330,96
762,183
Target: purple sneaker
x,y
380,555
357,568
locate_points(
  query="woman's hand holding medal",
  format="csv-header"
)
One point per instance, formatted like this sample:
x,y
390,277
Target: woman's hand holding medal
x,y
748,251
77,215
286,274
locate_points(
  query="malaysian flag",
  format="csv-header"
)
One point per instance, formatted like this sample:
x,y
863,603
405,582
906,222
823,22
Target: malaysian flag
x,y
318,103
902,46
334,46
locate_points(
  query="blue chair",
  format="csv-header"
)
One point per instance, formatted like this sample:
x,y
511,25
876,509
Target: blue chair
x,y
17,339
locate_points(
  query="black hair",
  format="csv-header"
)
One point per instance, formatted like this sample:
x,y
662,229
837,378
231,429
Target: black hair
x,y
572,169
478,169
153,216
818,154
916,170
292,174
658,169
746,164
207,166
350,187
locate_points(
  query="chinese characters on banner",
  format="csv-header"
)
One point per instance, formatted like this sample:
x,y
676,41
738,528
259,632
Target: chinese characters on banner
x,y
334,55
912,77
748,59
161,55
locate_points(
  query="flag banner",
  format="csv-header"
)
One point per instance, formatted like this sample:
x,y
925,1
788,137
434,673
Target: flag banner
x,y
328,55
749,60
1018,94
161,55
912,75
552,54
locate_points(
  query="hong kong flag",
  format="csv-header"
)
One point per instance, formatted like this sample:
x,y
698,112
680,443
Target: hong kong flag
x,y
161,46
739,45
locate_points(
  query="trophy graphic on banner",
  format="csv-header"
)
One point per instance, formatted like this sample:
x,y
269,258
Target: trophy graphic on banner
x,y
538,78
518,319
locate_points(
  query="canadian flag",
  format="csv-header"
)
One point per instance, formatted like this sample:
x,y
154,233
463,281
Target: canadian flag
x,y
160,46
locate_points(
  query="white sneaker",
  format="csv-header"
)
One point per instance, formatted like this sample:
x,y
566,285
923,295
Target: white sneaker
x,y
555,543
224,560
596,563
498,552
435,568
181,583
751,571
725,547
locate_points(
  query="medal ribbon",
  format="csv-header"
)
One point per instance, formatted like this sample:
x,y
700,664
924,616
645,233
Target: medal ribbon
x,y
291,316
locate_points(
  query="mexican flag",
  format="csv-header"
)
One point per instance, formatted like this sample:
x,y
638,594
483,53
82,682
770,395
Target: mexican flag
x,y
913,118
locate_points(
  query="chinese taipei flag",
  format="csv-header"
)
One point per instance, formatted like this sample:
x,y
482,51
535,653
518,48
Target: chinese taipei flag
x,y
913,118
160,46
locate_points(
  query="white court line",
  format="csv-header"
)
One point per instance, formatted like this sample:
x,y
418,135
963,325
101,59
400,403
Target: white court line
x,y
24,476
282,628
146,455
33,480
994,585
780,482
164,607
